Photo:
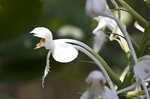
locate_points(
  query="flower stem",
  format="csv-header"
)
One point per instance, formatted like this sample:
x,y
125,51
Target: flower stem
x,y
124,31
116,7
112,75
98,63
143,21
132,94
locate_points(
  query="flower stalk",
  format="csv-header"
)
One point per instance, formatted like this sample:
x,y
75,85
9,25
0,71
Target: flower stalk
x,y
132,94
99,65
124,31
142,20
112,75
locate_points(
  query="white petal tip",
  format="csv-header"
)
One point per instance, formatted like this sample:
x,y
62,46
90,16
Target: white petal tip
x,y
42,84
40,30
45,74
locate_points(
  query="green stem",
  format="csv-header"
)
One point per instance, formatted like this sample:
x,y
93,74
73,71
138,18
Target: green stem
x,y
143,22
132,94
112,75
134,13
85,51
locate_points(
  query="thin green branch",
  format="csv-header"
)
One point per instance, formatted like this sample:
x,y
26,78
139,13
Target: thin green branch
x,y
143,22
124,31
116,7
108,69
132,94
141,19
99,65
112,74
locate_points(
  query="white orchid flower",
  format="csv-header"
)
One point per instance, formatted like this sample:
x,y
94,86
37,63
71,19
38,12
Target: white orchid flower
x,y
142,72
65,50
60,50
99,35
95,8
97,87
105,22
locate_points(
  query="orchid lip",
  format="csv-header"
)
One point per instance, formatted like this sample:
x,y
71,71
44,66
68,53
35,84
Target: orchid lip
x,y
39,44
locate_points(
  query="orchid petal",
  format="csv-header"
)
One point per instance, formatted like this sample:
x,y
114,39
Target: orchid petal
x,y
46,68
109,94
64,52
146,57
120,39
105,22
85,95
99,39
111,24
101,25
42,32
142,69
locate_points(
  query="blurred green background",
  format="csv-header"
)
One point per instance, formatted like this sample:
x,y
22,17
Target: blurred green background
x,y
21,67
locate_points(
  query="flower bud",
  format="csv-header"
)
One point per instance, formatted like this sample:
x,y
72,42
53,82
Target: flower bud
x,y
125,17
